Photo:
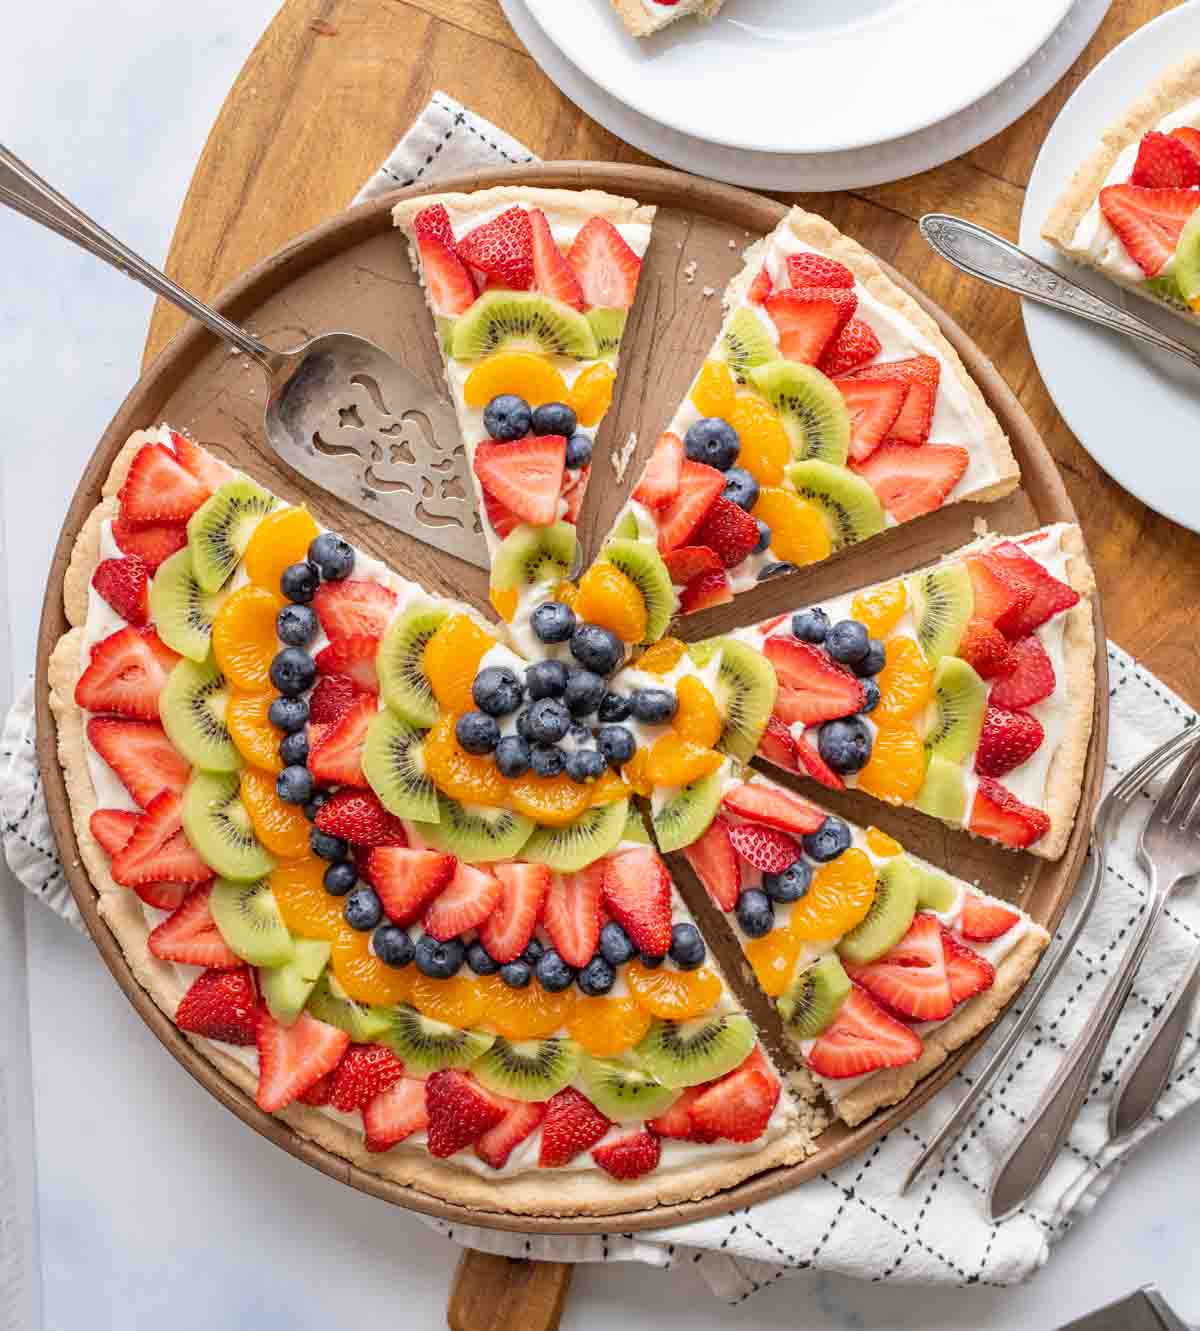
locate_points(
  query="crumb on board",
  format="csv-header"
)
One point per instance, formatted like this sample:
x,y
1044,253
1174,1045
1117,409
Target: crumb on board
x,y
708,291
689,271
733,244
620,457
980,527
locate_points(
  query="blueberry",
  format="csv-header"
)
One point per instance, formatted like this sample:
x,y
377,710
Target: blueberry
x,y
828,841
615,946
652,961
296,625
512,756
546,679
293,671
616,743
614,707
523,730
392,945
333,556
548,721
755,913
845,744
480,960
873,662
363,909
313,806
597,977
326,846
507,417
712,441
340,878
687,947
497,691
553,973
294,785
584,765
533,950
790,885
764,537
579,452
871,695
654,706
553,621
848,642
288,714
477,732
741,488
439,960
293,748
516,974
579,735
299,582
811,625
597,649
545,759
585,692
554,418
774,570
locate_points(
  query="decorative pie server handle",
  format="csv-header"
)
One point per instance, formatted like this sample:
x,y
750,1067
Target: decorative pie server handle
x,y
981,253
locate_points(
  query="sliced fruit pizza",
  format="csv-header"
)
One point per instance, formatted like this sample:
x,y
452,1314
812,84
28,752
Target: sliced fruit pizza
x,y
643,17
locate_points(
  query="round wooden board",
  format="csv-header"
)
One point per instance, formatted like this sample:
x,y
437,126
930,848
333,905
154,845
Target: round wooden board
x,y
353,273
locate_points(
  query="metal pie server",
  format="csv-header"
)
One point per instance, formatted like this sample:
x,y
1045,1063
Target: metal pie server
x,y
340,411
1143,1310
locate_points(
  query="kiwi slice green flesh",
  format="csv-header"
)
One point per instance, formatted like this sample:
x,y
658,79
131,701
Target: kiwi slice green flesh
x,y
934,890
813,998
643,566
181,611
445,333
626,528
476,834
287,988
330,1003
216,823
943,601
960,697
192,709
746,687
1166,288
622,1092
685,1053
392,765
581,842
531,555
745,343
1187,260
811,408
400,663
248,919
688,812
608,326
522,321
528,1069
943,793
635,827
220,529
850,507
701,653
427,1046
897,886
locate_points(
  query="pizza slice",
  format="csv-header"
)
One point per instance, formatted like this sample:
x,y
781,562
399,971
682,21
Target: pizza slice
x,y
643,17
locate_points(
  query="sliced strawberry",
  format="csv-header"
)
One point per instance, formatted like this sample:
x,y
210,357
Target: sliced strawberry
x,y
552,275
738,1107
354,607
911,479
354,657
729,530
502,248
319,1092
1000,598
158,850
986,650
358,817
151,543
984,918
690,561
1031,678
125,585
291,1058
630,1155
809,320
760,288
699,487
572,913
773,806
335,754
366,1070
220,1005
190,936
408,880
460,1111
677,1121
141,755
766,848
811,687
969,973
163,896
637,893
464,903
911,978
1164,162
714,861
510,926
855,345
112,828
448,281
998,814
158,489
434,222
211,472
1189,137
1007,740
662,476
395,1114
809,269
873,405
607,268
574,492
705,591
572,1124
1049,595
862,1038
778,745
126,674
922,375
526,476
497,1144
502,519
812,764
1148,222
331,699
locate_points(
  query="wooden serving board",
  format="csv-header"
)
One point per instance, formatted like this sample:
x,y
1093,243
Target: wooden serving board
x,y
353,273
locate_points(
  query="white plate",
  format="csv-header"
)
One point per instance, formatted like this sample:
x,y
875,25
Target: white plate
x,y
856,169
793,76
1134,409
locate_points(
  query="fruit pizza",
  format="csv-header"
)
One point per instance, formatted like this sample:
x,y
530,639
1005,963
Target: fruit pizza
x,y
643,17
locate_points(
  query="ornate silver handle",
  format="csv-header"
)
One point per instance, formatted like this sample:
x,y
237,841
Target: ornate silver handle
x,y
981,253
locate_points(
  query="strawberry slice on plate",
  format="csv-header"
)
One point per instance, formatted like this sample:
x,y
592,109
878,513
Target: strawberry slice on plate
x,y
408,880
986,650
572,913
607,268
998,814
357,816
1189,137
331,699
811,687
291,1058
460,1111
809,269
190,936
158,489
434,222
809,320
335,755
911,479
1048,597
689,562
704,591
630,1155
126,674
1007,740
365,1071
760,288
552,275
526,476
220,1005
660,480
1001,598
502,248
873,405
572,1124
211,472
448,281
353,657
766,848
395,1114
910,979
112,828
774,807
1031,678
510,926
922,374
353,607
677,1121
158,849
141,755
968,973
738,1107
1148,222
1164,162
502,519
699,487
497,1144
812,764
984,918
714,861
637,892
862,1038
319,1092
728,530
855,345
152,542
464,903
125,585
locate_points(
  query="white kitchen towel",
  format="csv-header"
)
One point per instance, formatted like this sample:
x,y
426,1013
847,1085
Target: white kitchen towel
x,y
850,1220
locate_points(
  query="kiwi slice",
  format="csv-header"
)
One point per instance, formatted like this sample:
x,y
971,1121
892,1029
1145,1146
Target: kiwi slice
x,y
688,812
943,793
522,321
476,834
812,410
445,333
627,527
813,998
685,1053
960,697
745,343
701,653
427,1046
643,566
1186,269
400,663
181,611
635,827
330,1003
622,1092
581,842
220,529
287,988
248,919
934,890
607,327
528,1069
530,555
942,600
851,508
1165,287
392,764
192,709
897,885
216,823
746,686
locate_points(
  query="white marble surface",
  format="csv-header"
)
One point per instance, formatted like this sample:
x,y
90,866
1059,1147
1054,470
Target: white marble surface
x,y
156,1205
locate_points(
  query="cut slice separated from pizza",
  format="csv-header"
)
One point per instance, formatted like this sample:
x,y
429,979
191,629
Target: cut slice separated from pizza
x,y
644,17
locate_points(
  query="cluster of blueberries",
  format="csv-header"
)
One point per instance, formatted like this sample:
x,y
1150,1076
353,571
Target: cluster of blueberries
x,y
845,744
508,418
756,906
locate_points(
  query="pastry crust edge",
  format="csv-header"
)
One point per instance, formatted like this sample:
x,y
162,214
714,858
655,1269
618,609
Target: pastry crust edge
x,y
572,205
640,23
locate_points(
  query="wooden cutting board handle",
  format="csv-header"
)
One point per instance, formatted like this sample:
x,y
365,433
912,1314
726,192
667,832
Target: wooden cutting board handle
x,y
491,1293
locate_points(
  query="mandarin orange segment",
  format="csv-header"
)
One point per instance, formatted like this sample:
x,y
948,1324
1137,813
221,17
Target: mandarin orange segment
x,y
636,773
552,800
607,1026
504,602
608,789
880,610
905,682
765,446
567,593
673,995
281,827
467,777
838,898
883,845
611,599
798,531
662,657
363,976
243,637
253,735
524,373
280,539
458,1001
451,661
524,1014
675,761
773,959
307,909
896,767
590,396
714,391
698,718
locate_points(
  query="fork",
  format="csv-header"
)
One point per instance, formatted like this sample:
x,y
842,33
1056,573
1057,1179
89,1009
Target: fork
x,y
1046,1128
1108,813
